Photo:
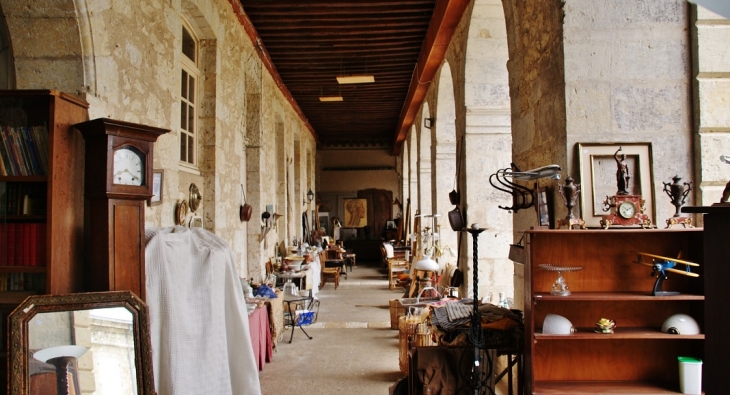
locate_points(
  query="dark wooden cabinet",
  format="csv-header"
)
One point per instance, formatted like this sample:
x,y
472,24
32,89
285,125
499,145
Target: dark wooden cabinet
x,y
716,222
638,357
41,198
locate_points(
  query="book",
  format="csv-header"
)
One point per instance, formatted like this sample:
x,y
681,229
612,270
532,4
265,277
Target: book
x,y
33,244
41,245
10,251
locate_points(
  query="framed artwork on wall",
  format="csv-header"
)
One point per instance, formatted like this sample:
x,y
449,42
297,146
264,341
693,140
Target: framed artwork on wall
x,y
542,208
356,213
157,180
599,170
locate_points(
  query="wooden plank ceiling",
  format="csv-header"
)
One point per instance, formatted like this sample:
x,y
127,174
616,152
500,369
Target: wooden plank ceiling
x,y
310,43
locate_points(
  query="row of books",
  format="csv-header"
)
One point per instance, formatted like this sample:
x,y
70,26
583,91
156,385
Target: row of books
x,y
23,282
23,244
20,198
24,151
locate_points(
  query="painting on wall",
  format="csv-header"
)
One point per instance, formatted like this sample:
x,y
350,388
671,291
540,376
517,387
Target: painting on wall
x,y
356,213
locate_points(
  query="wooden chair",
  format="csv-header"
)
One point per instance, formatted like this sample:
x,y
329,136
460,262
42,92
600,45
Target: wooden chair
x,y
335,259
395,267
328,272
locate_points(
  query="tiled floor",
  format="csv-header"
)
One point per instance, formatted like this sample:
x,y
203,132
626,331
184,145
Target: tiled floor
x,y
352,350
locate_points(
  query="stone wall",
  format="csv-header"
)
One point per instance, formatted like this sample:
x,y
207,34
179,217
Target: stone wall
x,y
85,48
627,79
711,90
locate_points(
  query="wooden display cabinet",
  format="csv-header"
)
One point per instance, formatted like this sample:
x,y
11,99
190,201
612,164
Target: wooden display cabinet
x,y
41,198
638,358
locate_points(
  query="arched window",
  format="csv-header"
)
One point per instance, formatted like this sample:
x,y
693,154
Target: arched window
x,y
188,96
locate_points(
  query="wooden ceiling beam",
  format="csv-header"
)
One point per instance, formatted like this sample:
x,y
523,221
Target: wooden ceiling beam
x,y
446,17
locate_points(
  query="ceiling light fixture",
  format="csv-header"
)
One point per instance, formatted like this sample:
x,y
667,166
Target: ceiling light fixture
x,y
356,79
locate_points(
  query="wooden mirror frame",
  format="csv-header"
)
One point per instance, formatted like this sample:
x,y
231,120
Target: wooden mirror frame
x,y
19,380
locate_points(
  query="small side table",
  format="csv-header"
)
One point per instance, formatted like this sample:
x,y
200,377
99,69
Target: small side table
x,y
292,304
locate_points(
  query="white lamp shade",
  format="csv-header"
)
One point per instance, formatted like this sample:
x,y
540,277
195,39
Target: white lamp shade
x,y
557,325
60,351
426,264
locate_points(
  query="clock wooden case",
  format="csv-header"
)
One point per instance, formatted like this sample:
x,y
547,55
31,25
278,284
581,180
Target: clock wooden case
x,y
118,182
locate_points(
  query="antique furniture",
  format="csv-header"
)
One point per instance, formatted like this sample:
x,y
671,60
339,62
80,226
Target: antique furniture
x,y
117,185
395,266
49,227
328,272
638,357
335,259
716,271
42,322
300,311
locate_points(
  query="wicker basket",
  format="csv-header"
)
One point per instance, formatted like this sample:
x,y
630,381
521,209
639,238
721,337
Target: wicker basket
x,y
396,311
411,335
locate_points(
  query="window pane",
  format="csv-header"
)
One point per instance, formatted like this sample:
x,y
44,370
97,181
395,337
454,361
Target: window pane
x,y
191,90
183,116
191,120
188,44
191,151
183,151
184,83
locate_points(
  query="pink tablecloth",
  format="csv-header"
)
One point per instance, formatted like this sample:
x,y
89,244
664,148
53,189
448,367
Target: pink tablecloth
x,y
258,323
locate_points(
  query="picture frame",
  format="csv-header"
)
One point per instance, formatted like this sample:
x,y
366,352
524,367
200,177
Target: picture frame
x,y
390,225
158,177
356,213
598,179
541,207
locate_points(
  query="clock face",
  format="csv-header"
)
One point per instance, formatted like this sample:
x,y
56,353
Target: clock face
x,y
128,167
627,210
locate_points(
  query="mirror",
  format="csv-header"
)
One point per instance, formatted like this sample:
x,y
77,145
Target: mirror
x,y
87,342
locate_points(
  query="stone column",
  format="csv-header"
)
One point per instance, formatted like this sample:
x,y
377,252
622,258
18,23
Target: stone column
x,y
488,147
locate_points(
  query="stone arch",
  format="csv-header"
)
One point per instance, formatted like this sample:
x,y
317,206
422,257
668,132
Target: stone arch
x,y
50,55
443,165
487,146
424,165
405,178
412,173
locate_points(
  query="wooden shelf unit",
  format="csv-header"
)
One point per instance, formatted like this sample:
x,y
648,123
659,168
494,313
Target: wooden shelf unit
x,y
638,358
63,183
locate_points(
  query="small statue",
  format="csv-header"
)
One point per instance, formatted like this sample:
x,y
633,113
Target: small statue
x,y
569,192
622,173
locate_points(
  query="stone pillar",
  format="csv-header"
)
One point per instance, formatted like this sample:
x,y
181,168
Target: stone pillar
x,y
488,147
711,81
444,171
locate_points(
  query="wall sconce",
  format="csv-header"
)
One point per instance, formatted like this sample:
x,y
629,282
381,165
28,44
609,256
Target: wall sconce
x,y
310,197
428,122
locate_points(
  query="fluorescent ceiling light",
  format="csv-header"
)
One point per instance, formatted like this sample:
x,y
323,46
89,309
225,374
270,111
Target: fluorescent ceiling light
x,y
355,79
330,98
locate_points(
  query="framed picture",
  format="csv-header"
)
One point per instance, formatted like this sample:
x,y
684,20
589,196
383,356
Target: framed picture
x,y
157,180
599,177
356,213
541,206
390,225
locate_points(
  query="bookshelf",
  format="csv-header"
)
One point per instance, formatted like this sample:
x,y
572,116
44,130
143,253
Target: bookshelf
x,y
41,198
638,357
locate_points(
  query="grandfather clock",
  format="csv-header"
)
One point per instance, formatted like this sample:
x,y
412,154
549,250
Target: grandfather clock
x,y
117,184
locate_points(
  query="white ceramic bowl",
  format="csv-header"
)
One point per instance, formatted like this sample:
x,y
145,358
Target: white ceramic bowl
x,y
294,261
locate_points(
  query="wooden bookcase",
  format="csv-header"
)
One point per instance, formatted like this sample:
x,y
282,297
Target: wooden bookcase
x,y
638,358
54,208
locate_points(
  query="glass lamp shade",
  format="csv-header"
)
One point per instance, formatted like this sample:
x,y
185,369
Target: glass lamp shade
x,y
426,264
